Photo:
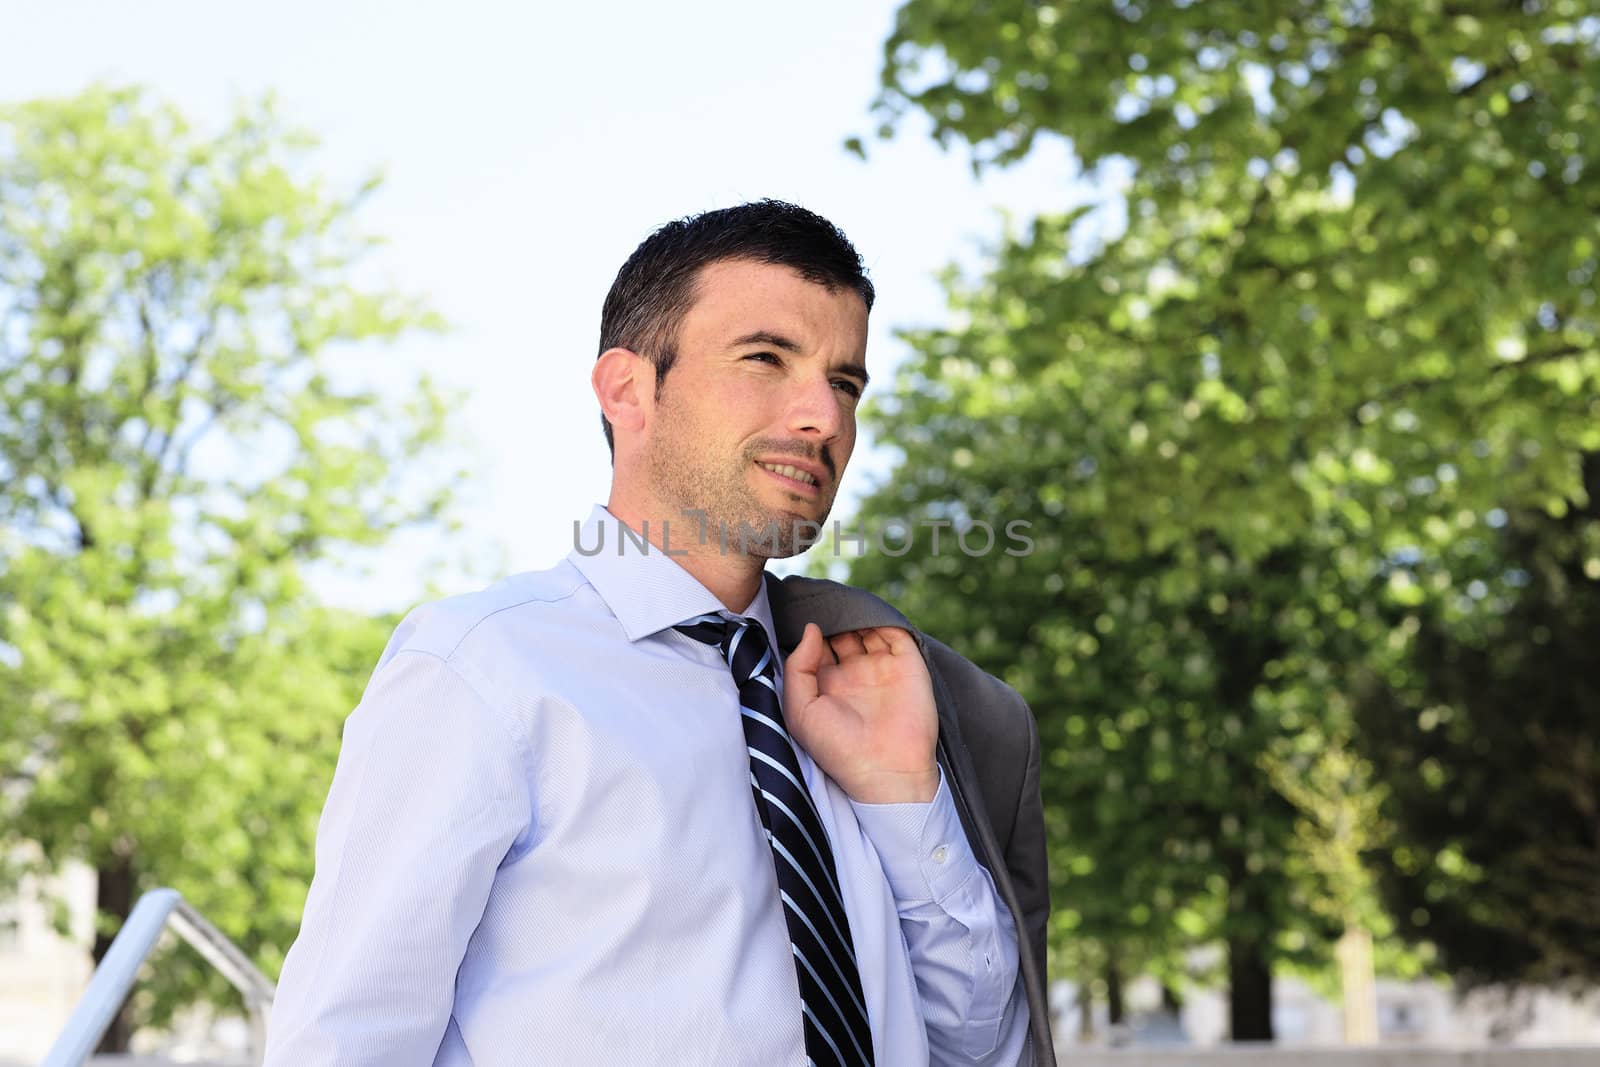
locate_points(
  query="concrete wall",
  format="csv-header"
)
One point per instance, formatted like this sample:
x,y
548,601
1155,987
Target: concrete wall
x,y
1223,1056
1217,1056
1229,1056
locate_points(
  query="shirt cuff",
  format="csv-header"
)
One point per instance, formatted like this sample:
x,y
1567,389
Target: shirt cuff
x,y
922,847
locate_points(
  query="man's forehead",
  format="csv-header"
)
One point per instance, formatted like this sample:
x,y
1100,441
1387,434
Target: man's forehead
x,y
744,299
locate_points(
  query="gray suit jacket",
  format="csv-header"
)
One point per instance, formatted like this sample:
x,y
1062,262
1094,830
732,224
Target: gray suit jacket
x,y
989,749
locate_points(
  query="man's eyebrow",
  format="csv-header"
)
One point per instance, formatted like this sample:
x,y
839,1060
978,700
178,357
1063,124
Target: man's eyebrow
x,y
854,370
777,340
767,337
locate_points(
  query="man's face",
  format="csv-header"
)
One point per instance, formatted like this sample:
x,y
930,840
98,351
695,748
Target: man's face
x,y
757,417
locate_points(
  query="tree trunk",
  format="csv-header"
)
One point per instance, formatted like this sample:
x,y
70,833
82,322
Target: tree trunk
x,y
113,900
1114,991
1249,990
1171,1003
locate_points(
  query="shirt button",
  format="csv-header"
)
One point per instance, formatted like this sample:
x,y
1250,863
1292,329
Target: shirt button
x,y
941,854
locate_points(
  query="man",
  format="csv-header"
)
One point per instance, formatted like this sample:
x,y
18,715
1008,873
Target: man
x,y
593,815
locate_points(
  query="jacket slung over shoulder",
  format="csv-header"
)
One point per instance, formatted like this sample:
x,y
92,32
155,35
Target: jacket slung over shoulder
x,y
989,748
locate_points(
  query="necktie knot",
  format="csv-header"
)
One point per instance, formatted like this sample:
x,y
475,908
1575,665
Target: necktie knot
x,y
710,629
742,642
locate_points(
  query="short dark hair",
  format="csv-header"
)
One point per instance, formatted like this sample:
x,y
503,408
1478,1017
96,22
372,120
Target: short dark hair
x,y
656,286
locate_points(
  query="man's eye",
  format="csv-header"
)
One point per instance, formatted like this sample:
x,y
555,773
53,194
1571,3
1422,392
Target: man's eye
x,y
847,386
767,356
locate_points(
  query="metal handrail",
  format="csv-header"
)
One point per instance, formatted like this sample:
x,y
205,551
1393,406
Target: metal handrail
x,y
114,977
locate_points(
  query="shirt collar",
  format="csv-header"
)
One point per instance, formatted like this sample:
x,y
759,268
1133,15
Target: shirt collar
x,y
645,588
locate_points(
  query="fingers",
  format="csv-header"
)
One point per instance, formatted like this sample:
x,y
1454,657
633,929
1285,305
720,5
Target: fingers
x,y
878,640
896,641
874,641
847,644
800,669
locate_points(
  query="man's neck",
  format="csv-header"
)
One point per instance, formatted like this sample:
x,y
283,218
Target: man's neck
x,y
732,576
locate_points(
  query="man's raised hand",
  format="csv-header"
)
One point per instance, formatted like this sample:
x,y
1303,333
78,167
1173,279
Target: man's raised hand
x,y
861,704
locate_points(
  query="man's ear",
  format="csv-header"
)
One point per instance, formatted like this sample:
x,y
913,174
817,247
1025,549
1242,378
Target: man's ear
x,y
625,384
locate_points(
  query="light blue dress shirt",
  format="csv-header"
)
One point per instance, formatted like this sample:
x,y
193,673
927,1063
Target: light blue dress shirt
x,y
540,847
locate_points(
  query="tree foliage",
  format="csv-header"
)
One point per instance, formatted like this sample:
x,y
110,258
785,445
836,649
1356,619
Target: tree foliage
x,y
1340,308
1360,255
179,438
1486,725
1180,695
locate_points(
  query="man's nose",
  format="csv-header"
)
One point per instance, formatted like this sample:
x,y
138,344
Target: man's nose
x,y
815,410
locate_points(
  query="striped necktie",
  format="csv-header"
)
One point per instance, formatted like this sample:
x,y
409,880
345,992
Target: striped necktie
x,y
833,1009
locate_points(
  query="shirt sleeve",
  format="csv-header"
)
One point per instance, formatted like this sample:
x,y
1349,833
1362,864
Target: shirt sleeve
x,y
961,938
427,798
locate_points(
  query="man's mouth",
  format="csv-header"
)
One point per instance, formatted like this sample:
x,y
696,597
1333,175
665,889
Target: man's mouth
x,y
784,470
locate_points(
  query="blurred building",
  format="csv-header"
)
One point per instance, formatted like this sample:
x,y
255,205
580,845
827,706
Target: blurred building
x,y
1419,1013
42,970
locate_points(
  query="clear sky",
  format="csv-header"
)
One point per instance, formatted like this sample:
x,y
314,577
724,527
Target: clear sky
x,y
528,148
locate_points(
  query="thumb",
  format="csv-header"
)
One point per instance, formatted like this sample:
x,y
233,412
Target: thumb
x,y
800,669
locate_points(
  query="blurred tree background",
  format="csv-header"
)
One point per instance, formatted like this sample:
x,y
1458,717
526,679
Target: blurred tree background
x,y
1490,750
179,314
1304,415
1303,408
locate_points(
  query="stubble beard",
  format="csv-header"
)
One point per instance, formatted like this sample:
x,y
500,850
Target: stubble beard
x,y
733,516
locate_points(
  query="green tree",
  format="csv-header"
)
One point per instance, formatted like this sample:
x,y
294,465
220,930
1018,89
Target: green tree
x,y
1176,693
1487,727
1342,307
1359,256
179,439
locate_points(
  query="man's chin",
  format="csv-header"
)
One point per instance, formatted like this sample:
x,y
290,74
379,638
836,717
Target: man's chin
x,y
782,534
